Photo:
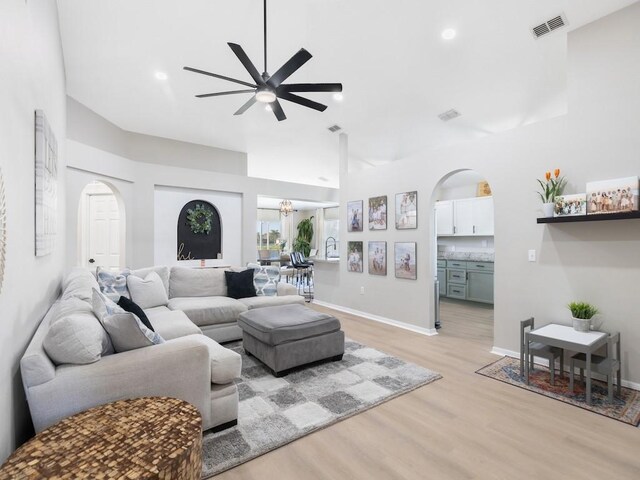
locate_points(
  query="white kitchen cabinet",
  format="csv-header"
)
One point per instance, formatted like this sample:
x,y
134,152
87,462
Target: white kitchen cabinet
x,y
465,217
483,216
444,218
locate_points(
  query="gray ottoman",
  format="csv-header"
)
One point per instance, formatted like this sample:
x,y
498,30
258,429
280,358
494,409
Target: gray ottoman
x,y
288,336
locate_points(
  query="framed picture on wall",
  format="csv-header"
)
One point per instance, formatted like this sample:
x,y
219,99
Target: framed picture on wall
x,y
405,260
354,257
406,210
354,216
378,213
46,163
377,258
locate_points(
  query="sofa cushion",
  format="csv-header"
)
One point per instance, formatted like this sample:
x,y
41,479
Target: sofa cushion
x,y
75,337
161,270
287,323
173,324
265,279
197,282
129,305
265,301
78,284
148,291
127,332
156,311
240,284
208,310
225,364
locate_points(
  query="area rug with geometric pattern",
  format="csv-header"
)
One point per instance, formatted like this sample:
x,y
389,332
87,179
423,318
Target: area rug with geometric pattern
x,y
276,411
625,408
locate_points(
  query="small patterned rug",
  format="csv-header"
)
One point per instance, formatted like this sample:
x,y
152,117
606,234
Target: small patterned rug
x,y
276,411
625,409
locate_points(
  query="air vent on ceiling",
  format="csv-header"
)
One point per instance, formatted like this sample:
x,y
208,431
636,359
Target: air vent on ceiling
x,y
334,128
550,25
449,115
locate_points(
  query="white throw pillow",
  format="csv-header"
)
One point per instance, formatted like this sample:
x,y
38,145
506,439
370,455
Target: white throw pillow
x,y
127,332
76,338
125,329
147,292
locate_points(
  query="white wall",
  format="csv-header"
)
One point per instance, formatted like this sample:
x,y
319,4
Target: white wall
x,y
597,262
168,205
91,156
32,78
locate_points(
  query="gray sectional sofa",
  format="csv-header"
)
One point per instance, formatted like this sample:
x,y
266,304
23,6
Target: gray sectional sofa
x,y
190,364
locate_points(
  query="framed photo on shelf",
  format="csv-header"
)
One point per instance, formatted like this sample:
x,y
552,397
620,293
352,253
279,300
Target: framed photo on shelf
x,y
354,216
354,257
405,260
612,196
377,258
378,213
406,210
484,189
570,205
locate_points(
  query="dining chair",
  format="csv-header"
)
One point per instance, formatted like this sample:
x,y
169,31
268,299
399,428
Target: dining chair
x,y
539,350
608,365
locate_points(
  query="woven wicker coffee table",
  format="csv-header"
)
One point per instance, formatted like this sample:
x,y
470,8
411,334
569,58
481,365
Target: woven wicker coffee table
x,y
157,438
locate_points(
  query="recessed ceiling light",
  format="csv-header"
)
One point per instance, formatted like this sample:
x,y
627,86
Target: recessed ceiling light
x,y
161,76
338,97
448,34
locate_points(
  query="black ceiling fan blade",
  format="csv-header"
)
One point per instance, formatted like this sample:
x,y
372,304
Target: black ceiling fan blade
x,y
286,70
311,87
221,77
277,110
220,94
248,64
302,101
246,106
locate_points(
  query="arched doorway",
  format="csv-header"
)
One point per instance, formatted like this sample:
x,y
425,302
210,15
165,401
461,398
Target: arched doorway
x,y
101,227
463,249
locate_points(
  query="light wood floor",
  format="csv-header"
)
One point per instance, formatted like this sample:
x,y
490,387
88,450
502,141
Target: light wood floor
x,y
463,426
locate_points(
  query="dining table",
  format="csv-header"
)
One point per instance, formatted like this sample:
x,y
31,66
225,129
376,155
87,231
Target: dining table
x,y
567,338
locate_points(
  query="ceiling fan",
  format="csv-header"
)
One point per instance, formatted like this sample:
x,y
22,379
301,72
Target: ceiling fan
x,y
269,88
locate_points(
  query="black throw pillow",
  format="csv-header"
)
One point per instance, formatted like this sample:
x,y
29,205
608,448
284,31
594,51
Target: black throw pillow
x,y
128,305
240,284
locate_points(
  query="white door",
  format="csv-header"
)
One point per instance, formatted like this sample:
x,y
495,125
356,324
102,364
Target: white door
x,y
444,218
104,232
463,216
483,216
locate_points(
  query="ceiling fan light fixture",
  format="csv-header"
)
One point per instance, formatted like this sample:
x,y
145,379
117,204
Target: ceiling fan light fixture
x,y
266,96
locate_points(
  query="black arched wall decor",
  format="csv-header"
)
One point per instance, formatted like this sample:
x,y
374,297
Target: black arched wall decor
x,y
199,231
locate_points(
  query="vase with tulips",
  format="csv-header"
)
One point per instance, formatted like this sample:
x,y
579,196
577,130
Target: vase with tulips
x,y
552,187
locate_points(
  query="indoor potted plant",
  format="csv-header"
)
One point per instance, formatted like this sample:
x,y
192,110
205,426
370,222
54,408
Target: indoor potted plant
x,y
582,314
550,189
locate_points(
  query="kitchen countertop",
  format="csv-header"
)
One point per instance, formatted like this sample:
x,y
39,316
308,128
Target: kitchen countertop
x,y
467,256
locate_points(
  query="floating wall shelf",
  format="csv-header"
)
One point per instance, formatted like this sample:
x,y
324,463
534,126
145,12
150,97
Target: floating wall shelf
x,y
590,218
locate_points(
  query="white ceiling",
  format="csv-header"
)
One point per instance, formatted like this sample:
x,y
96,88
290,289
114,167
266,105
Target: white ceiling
x,y
398,73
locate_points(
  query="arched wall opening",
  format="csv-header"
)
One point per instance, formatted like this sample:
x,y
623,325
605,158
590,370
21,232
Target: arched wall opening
x,y
101,227
462,249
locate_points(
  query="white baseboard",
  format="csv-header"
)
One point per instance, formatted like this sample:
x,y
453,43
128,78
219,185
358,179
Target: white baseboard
x,y
376,318
543,361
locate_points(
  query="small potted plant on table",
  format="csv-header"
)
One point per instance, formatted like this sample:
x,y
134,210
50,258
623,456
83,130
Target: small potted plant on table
x,y
582,314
